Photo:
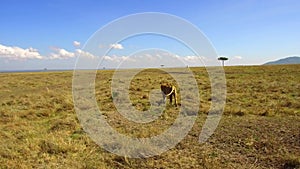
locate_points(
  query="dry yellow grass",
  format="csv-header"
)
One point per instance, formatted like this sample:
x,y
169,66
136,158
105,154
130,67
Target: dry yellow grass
x,y
259,128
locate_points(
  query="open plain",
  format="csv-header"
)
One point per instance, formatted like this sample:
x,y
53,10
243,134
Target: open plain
x,y
260,126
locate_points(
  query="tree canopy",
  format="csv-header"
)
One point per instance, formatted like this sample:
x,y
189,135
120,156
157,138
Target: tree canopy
x,y
222,58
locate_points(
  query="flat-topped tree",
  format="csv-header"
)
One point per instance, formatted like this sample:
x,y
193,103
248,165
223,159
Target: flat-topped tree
x,y
223,59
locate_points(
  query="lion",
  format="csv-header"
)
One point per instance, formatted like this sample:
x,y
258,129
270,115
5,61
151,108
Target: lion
x,y
169,90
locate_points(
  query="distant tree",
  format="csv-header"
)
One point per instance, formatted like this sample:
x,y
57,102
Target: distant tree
x,y
223,59
162,65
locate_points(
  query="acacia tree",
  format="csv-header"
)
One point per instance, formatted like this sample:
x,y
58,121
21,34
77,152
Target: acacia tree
x,y
223,59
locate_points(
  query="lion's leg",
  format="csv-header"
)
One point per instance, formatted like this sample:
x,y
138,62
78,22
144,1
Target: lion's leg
x,y
164,97
171,96
175,97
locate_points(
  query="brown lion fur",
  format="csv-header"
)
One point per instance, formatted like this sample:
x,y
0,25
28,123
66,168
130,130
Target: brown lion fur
x,y
169,90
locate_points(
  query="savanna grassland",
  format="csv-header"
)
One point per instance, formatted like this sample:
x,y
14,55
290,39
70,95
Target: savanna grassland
x,y
260,126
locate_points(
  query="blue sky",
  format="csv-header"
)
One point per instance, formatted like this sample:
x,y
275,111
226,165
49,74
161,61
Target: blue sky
x,y
45,34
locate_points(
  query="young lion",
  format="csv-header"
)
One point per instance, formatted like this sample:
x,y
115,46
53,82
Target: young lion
x,y
169,90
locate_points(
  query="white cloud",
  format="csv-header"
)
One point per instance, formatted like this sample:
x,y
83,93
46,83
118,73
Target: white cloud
x,y
17,53
116,46
64,54
238,57
191,58
144,59
108,58
61,54
117,59
79,52
76,44
152,59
